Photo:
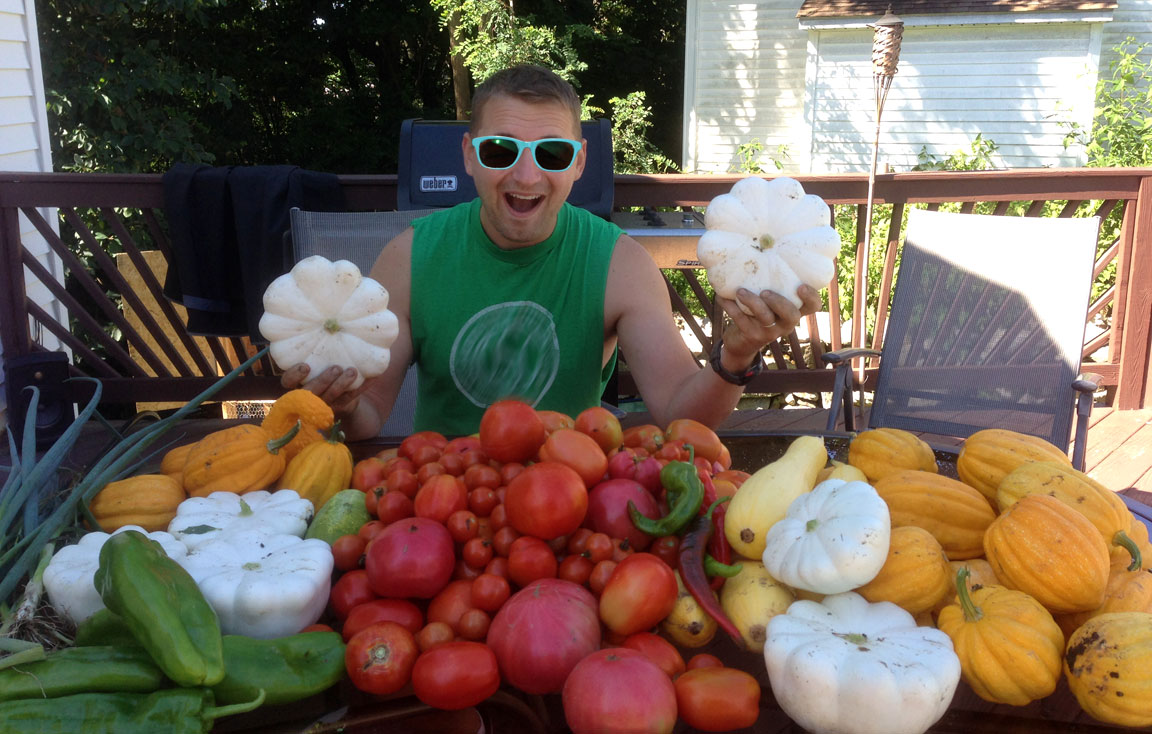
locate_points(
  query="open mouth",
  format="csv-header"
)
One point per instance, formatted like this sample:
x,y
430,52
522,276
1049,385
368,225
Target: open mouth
x,y
522,204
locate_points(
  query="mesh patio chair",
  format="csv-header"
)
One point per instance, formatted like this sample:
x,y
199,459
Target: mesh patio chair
x,y
986,330
358,237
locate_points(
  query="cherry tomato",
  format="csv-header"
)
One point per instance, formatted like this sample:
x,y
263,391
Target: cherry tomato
x,y
717,699
598,547
462,526
367,473
433,634
578,540
380,658
575,568
401,611
531,560
703,660
403,480
498,566
511,430
463,572
602,425
394,462
455,675
369,530
601,572
482,500
424,454
576,450
427,471
348,552
498,518
415,441
546,500
503,539
394,506
474,624
482,475
667,549
477,552
489,592
350,590
509,471
453,464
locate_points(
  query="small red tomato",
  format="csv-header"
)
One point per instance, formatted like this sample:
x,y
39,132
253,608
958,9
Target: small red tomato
x,y
348,552
511,430
489,592
351,589
401,611
380,658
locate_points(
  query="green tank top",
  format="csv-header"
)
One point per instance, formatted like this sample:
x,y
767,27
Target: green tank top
x,y
490,324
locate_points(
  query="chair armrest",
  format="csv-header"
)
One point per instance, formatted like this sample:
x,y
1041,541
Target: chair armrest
x,y
1089,382
847,355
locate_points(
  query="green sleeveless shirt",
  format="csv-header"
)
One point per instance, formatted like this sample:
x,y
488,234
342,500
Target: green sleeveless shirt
x,y
489,324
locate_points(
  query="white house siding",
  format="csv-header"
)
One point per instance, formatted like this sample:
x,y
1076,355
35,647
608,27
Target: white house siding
x,y
1131,18
1012,83
24,143
744,81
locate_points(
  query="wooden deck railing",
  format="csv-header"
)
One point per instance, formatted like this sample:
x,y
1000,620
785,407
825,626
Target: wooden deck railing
x,y
154,358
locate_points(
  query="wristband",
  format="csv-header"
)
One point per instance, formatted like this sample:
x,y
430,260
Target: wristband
x,y
741,379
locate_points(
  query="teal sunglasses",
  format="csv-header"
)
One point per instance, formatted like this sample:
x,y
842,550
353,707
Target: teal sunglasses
x,y
551,154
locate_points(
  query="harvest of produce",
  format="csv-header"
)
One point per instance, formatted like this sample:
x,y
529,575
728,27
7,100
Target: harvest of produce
x,y
632,577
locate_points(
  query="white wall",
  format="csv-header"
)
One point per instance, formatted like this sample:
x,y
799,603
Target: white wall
x,y
24,142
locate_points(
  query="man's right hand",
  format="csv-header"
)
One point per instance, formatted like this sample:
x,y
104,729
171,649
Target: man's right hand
x,y
333,385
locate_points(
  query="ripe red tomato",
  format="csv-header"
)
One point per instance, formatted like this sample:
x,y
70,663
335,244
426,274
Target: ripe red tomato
x,y
393,506
380,658
608,510
433,634
603,426
474,624
616,690
718,699
348,552
489,592
367,473
463,525
575,568
546,500
414,557
700,436
511,430
401,611
455,675
482,500
667,549
452,601
660,651
648,437
601,572
641,592
542,632
530,560
439,497
577,450
350,590
477,552
415,441
403,480
482,475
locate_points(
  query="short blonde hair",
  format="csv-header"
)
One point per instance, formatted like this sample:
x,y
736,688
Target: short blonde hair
x,y
529,83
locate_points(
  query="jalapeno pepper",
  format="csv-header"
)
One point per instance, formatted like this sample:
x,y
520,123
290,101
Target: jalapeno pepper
x,y
172,711
692,551
685,493
163,607
83,670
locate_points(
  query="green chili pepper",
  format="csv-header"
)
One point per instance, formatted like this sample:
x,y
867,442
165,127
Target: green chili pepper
x,y
287,668
712,567
685,493
83,670
172,711
105,627
163,607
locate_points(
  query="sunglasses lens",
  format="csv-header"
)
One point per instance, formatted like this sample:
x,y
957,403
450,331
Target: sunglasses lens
x,y
498,152
555,155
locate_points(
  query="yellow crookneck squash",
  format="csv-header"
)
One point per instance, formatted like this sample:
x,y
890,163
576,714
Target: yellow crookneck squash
x,y
315,416
1108,664
1009,646
1044,548
239,459
321,469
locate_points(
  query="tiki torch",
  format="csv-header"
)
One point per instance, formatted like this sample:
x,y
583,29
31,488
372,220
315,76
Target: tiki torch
x,y
885,55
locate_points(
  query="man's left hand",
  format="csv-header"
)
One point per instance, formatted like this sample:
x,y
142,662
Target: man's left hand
x,y
764,318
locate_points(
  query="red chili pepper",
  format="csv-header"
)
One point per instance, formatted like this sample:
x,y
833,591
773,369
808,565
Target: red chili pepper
x,y
718,545
693,545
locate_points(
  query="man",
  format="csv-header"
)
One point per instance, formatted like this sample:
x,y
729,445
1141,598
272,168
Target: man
x,y
518,294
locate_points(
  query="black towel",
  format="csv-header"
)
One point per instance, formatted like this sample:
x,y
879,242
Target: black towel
x,y
227,227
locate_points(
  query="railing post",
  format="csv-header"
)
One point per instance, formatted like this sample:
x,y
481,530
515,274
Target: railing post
x,y
1133,390
15,337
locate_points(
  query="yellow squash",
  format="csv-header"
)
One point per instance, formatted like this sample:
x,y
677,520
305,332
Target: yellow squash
x,y
915,575
956,514
1044,548
751,598
1108,664
239,459
688,625
881,451
147,500
1008,644
764,497
320,470
1127,591
315,417
990,455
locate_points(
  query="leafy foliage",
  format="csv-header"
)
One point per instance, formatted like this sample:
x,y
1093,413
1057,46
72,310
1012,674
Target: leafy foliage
x,y
1121,133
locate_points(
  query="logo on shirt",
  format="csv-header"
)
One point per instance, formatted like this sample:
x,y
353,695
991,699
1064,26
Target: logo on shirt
x,y
508,350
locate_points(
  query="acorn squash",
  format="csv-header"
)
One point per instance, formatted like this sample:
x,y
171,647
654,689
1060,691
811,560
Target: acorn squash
x,y
989,455
915,575
239,459
879,452
146,500
957,515
1108,664
320,470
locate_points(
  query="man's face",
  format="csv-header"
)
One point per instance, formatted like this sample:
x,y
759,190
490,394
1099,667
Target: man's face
x,y
519,204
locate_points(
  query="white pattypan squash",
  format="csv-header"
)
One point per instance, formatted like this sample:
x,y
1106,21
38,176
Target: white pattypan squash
x,y
325,313
261,585
222,514
846,666
832,539
768,235
68,577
